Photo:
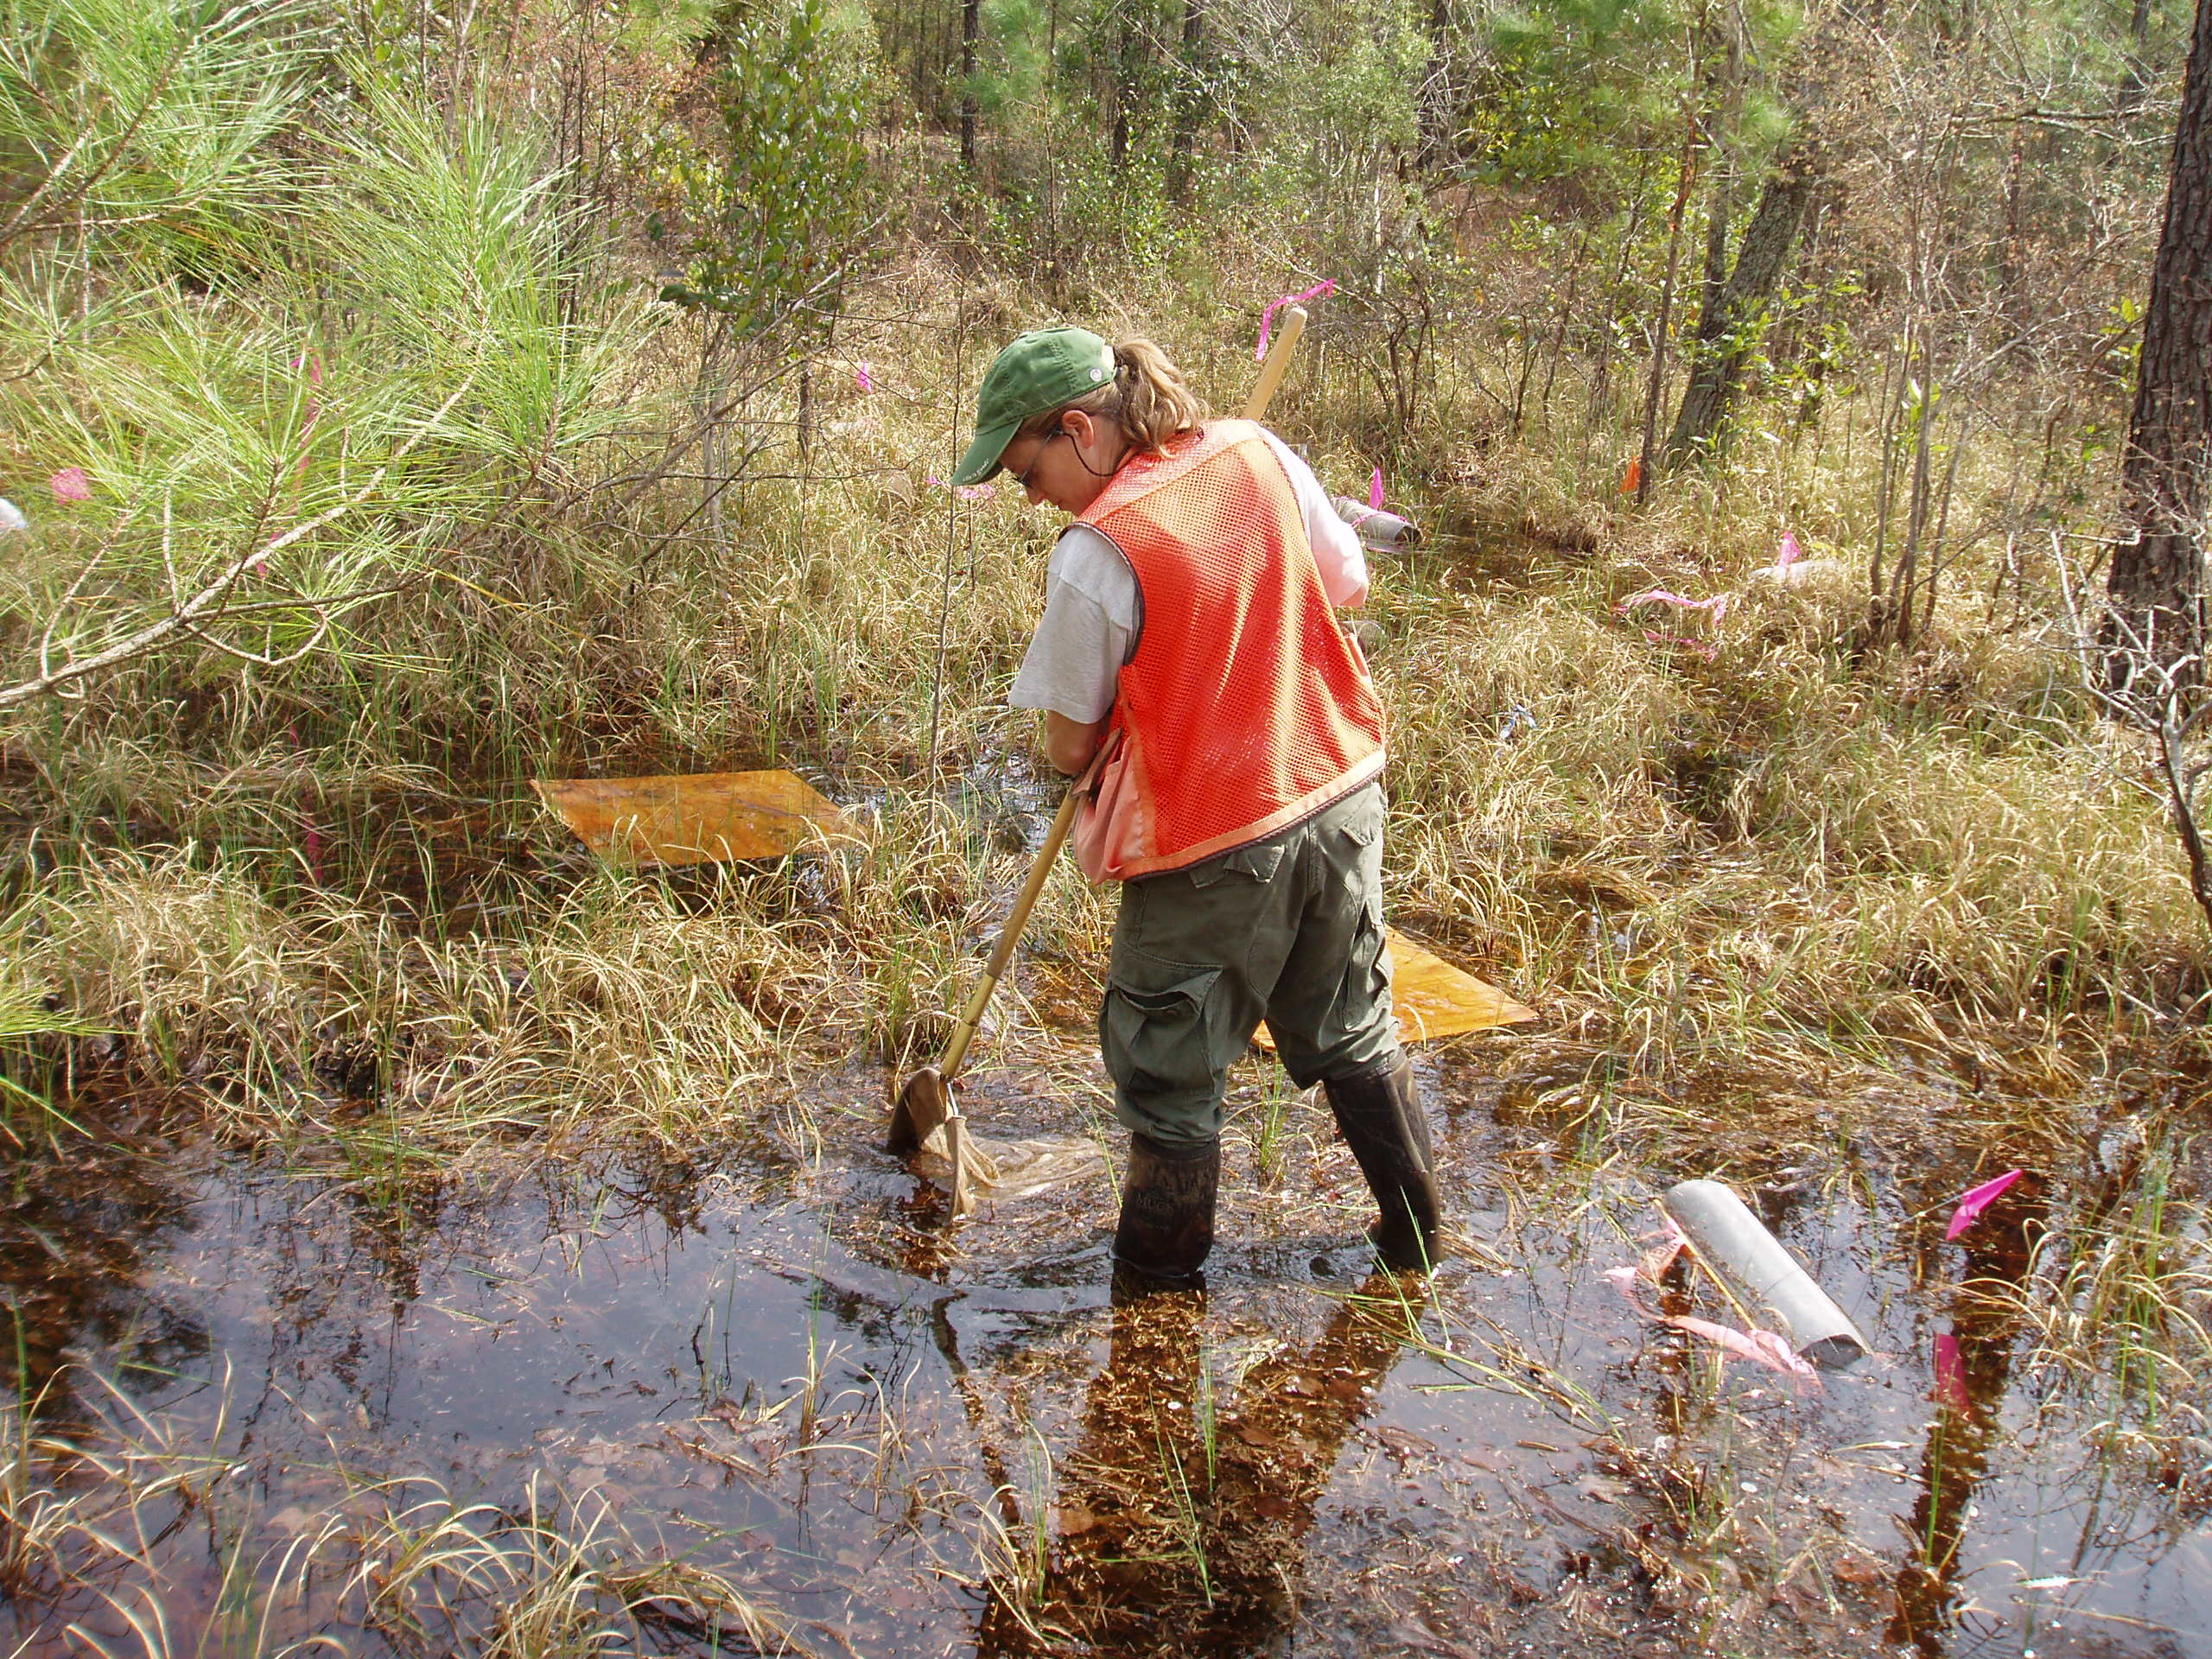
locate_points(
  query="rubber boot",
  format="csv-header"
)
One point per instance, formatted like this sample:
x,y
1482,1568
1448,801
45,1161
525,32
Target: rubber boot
x,y
1379,1110
1168,1199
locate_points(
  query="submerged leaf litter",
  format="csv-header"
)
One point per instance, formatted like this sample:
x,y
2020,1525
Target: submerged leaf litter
x,y
630,1373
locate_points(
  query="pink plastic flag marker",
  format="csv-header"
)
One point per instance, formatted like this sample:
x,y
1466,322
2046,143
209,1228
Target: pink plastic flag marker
x,y
1972,1203
70,483
862,379
1789,552
1327,285
1374,491
1950,1390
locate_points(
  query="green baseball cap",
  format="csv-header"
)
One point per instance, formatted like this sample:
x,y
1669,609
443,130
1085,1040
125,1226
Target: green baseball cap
x,y
1047,369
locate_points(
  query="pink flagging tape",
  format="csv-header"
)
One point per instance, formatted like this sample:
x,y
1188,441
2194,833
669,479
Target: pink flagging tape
x,y
1326,285
1717,604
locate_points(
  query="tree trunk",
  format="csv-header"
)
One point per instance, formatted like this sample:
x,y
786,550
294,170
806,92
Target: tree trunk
x,y
1435,101
1687,177
1189,99
1125,90
1719,212
1725,340
971,28
2135,78
1721,132
2157,584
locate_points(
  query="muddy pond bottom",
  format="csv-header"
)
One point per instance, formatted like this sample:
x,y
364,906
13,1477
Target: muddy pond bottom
x,y
616,1403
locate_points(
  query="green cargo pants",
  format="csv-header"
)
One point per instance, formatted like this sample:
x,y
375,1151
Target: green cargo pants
x,y
1289,929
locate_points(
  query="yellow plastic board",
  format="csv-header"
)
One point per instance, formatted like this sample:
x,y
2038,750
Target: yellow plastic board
x,y
708,817
1434,998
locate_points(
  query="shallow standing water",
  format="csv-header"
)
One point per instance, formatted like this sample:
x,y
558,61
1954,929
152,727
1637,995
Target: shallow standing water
x,y
891,1442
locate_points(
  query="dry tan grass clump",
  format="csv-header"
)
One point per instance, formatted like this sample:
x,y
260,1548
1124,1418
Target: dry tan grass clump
x,y
1755,832
620,1006
90,1515
661,1004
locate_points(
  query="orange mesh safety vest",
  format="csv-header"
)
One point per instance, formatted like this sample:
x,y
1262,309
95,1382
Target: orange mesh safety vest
x,y
1244,709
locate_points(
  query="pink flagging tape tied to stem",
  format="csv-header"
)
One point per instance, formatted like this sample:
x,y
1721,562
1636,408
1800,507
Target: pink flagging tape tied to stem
x,y
862,379
1374,491
1326,285
1717,606
70,483
1789,552
1973,1202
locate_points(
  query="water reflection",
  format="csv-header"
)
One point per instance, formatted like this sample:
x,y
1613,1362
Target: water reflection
x,y
83,1225
817,1389
1180,1517
1972,1367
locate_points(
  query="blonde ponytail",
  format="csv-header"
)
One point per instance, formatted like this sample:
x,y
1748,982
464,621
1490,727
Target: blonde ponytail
x,y
1155,404
1148,399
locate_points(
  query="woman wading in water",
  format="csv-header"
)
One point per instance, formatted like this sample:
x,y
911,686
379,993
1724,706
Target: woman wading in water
x,y
1189,668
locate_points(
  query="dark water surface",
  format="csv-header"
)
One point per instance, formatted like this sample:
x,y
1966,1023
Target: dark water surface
x,y
784,1374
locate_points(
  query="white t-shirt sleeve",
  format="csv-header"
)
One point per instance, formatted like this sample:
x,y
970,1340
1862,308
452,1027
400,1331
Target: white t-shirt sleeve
x,y
1073,666
1337,547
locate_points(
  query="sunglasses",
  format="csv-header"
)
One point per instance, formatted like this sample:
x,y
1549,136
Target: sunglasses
x,y
1021,479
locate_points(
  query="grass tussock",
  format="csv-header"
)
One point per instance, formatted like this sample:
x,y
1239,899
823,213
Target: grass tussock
x,y
87,1511
2119,1306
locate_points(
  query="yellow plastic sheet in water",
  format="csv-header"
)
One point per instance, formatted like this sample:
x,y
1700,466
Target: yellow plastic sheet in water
x,y
707,818
1434,998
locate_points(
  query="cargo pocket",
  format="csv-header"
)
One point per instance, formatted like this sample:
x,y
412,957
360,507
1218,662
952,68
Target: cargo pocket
x,y
1153,1028
1363,1001
1361,857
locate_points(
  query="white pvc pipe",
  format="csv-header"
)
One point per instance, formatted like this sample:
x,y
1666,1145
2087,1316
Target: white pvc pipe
x,y
1765,1278
1378,531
